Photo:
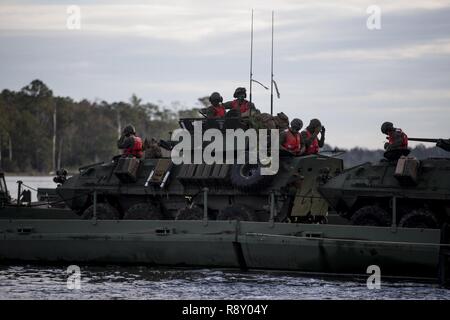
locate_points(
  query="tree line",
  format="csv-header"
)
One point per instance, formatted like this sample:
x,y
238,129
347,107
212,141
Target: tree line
x,y
87,132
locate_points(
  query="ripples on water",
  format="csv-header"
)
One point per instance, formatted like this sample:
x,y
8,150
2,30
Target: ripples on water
x,y
114,282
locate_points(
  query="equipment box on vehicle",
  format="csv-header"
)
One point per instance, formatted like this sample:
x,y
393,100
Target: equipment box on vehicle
x,y
126,169
406,170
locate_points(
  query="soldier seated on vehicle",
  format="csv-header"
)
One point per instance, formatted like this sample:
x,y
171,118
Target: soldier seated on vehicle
x,y
131,144
290,139
397,144
240,103
309,139
216,109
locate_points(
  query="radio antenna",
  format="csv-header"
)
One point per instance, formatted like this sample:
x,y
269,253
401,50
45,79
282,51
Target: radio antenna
x,y
271,74
251,59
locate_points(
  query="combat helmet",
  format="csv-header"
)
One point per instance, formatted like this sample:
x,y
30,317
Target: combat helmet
x,y
386,126
129,129
296,125
314,123
240,91
216,97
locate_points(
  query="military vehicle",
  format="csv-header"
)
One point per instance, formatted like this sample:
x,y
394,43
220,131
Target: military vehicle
x,y
404,192
41,232
156,188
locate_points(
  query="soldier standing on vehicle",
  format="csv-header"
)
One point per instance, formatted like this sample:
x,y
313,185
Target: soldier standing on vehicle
x,y
130,143
240,103
216,109
290,138
309,138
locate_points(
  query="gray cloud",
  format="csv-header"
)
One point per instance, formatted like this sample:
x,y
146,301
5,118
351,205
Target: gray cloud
x,y
327,63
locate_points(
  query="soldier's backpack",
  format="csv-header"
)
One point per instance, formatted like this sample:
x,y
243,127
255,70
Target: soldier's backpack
x,y
263,121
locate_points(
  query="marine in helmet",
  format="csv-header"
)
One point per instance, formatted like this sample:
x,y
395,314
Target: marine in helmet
x,y
216,109
240,103
290,139
130,143
309,138
397,144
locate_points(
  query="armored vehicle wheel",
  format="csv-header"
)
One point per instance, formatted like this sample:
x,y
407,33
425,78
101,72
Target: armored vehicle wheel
x,y
419,218
104,212
238,212
143,211
194,213
370,216
248,177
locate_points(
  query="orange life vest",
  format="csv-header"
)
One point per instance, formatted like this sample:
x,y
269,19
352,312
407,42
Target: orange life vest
x,y
244,107
404,144
292,142
219,112
314,146
136,149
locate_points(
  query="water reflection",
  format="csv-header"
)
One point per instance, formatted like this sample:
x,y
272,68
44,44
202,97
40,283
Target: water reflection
x,y
115,282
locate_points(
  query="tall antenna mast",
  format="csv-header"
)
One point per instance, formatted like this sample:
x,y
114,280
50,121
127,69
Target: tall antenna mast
x,y
251,68
251,59
271,74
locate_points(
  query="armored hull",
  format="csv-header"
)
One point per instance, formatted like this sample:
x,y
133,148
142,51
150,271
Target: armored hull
x,y
407,192
225,244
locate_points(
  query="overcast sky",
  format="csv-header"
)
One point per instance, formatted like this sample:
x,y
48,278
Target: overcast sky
x,y
328,64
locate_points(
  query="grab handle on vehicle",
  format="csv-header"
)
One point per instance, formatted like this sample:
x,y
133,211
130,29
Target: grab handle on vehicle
x,y
312,234
25,230
163,231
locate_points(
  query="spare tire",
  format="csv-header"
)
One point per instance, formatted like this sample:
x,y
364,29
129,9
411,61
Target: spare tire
x,y
237,212
371,216
247,177
194,213
104,212
419,218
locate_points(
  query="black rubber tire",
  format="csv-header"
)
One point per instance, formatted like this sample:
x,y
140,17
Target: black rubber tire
x,y
104,212
371,216
248,177
238,212
419,218
143,211
194,213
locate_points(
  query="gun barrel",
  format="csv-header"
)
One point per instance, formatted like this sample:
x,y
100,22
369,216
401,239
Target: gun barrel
x,y
423,140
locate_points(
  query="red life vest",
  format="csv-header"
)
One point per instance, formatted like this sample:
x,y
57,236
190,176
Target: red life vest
x,y
244,107
292,142
314,146
219,111
404,144
136,149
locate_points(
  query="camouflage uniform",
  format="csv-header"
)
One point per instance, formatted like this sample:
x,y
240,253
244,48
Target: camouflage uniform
x,y
244,106
130,143
287,134
309,137
397,138
216,109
